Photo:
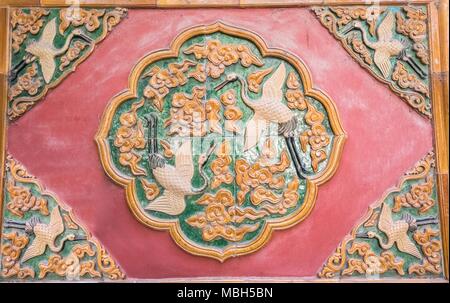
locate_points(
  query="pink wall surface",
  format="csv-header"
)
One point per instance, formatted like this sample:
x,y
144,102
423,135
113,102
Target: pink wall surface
x,y
55,141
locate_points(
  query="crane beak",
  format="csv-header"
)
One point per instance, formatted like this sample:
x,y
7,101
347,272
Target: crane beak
x,y
348,29
79,238
85,37
221,85
209,152
212,147
362,235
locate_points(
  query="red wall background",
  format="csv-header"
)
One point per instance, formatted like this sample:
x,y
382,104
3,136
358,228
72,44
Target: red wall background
x,y
55,142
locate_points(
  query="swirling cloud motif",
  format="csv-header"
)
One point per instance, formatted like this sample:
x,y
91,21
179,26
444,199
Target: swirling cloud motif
x,y
179,142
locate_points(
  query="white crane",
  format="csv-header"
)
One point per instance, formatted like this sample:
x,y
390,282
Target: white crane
x,y
397,231
176,180
44,234
44,50
269,108
385,47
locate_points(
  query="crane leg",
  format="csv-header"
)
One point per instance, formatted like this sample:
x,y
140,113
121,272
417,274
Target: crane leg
x,y
9,221
426,221
155,134
16,226
16,70
299,160
154,159
295,158
152,133
27,59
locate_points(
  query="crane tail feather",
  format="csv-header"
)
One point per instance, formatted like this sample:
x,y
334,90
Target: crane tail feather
x,y
169,203
253,131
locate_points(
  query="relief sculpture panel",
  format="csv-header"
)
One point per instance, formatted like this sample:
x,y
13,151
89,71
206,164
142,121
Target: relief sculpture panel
x,y
41,238
220,140
398,236
286,141
391,42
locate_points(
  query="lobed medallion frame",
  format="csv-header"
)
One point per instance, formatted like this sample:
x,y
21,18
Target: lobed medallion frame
x,y
438,44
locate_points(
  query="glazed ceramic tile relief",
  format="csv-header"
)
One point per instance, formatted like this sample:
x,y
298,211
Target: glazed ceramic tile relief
x,y
41,239
391,42
399,235
47,45
220,143
202,160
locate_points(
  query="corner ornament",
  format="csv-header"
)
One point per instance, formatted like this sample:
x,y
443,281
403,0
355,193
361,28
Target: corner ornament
x,y
389,42
220,140
43,240
47,45
398,236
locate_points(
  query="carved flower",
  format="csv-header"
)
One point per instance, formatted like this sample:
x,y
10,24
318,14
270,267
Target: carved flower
x,y
296,100
221,55
372,13
189,113
215,212
22,200
228,98
414,25
24,23
77,17
318,137
161,78
294,96
11,250
233,113
27,82
129,138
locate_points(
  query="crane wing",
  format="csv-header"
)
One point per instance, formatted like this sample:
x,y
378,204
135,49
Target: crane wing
x,y
386,27
383,62
253,131
407,246
56,222
272,89
49,32
35,249
48,66
183,160
385,221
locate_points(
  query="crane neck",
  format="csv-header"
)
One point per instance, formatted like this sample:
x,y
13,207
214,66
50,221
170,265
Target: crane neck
x,y
366,39
244,88
384,245
58,248
65,46
205,181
